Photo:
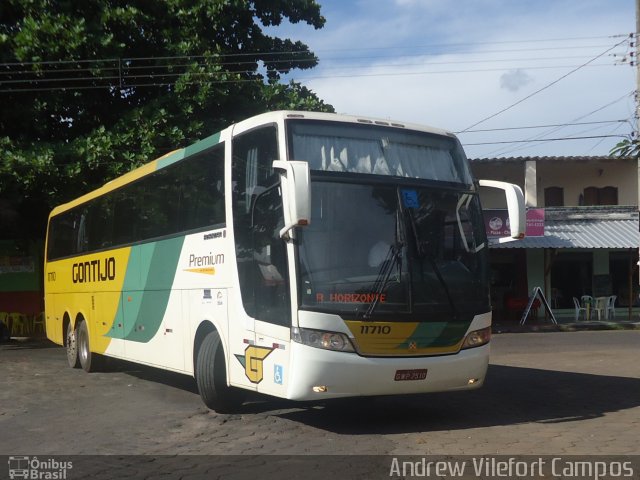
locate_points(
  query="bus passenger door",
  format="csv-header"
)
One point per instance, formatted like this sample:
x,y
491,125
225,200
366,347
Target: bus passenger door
x,y
259,314
271,291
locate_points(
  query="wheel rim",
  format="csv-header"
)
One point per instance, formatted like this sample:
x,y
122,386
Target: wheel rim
x,y
83,347
72,347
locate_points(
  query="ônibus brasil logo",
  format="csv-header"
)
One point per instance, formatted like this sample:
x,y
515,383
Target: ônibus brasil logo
x,y
32,468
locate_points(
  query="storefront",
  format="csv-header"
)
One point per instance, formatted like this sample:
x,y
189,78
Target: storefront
x,y
581,251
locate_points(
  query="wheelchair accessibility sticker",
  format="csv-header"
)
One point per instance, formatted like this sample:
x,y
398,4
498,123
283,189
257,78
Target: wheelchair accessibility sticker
x,y
277,374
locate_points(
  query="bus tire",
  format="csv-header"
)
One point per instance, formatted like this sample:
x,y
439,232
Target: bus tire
x,y
88,360
71,343
212,379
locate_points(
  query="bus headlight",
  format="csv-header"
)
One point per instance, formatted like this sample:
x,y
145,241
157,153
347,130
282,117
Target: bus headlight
x,y
320,339
477,338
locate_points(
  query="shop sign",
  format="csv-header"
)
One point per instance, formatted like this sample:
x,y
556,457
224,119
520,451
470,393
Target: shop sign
x,y
497,223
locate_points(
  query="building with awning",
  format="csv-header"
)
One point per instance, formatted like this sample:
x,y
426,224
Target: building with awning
x,y
585,236
609,227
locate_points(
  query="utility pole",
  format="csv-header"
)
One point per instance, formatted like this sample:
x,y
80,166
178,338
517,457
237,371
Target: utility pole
x,y
636,137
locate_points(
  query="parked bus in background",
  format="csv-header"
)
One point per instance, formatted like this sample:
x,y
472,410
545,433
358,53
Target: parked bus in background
x,y
301,255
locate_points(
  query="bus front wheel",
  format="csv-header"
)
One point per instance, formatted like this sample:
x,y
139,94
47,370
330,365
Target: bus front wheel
x,y
72,346
211,377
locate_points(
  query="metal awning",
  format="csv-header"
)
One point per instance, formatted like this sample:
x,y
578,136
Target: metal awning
x,y
599,233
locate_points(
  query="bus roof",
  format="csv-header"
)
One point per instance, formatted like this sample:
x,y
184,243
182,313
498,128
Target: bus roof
x,y
336,117
269,117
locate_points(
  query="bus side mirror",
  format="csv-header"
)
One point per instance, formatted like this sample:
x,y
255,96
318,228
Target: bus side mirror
x,y
515,207
296,193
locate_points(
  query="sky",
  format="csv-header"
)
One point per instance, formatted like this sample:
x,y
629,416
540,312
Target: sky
x,y
468,65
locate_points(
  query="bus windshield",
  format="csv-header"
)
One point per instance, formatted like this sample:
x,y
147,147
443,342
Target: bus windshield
x,y
378,250
372,149
396,227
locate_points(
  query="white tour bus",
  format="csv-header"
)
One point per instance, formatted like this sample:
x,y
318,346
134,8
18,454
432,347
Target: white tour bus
x,y
301,255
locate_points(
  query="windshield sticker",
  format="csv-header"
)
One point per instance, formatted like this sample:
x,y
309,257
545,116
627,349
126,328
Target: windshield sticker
x,y
410,198
351,297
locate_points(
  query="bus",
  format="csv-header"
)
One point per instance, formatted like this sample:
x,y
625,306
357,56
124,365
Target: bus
x,y
301,255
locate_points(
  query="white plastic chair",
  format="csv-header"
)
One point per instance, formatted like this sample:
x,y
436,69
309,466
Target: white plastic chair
x,y
600,307
19,325
579,308
611,307
586,301
38,323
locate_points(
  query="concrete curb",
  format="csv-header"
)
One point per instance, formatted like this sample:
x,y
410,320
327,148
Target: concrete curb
x,y
564,327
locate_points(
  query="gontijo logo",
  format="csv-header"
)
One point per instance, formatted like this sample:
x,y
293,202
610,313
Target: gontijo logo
x,y
94,270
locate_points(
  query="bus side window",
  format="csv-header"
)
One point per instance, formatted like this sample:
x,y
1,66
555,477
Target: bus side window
x,y
98,229
63,235
126,217
252,178
202,190
270,283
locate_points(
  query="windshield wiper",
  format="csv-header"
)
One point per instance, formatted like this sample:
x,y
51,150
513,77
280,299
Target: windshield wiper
x,y
423,252
391,260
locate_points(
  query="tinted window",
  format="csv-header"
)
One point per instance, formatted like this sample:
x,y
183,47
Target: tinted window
x,y
257,219
371,149
187,195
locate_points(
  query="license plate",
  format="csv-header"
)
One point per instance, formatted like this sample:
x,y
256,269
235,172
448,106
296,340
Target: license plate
x,y
404,375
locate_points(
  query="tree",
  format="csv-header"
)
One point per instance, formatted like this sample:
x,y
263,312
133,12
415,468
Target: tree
x,y
626,148
92,89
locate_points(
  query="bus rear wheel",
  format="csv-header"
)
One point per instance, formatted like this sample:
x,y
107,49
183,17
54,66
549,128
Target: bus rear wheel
x,y
88,360
72,346
211,377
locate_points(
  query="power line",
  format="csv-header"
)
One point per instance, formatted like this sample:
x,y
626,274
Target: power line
x,y
546,140
118,73
616,128
119,83
129,63
308,52
541,126
540,136
544,88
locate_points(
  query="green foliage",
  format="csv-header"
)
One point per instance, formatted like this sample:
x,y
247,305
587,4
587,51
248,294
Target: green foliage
x,y
627,148
92,89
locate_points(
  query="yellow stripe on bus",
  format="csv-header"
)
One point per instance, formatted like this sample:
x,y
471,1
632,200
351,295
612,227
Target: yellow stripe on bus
x,y
96,281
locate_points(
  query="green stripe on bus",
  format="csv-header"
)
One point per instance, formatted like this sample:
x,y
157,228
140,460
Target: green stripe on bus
x,y
202,145
170,159
146,290
436,334
187,152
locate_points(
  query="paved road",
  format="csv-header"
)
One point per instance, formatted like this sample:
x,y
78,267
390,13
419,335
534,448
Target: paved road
x,y
547,393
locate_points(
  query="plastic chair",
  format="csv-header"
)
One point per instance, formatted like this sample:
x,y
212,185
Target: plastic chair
x,y
600,307
579,309
19,325
555,296
38,323
611,307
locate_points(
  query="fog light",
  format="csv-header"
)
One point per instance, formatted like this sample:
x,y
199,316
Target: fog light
x,y
473,380
320,389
